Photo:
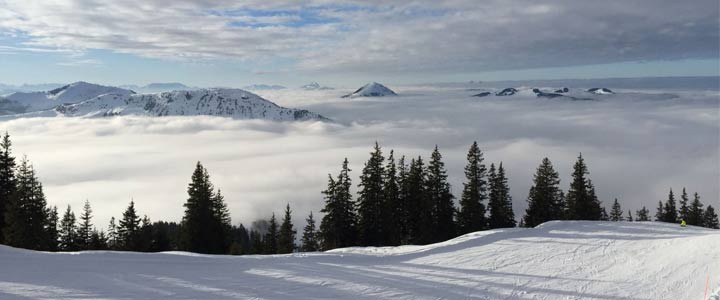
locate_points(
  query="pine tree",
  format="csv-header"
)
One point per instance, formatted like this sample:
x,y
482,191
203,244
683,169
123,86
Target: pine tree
x,y
85,229
26,216
403,207
500,202
98,240
112,235
286,238
710,218
206,223
392,213
581,202
418,206
338,227
669,210
145,235
52,229
271,237
660,212
643,214
695,212
471,216
371,200
684,211
7,181
604,215
256,243
129,229
69,238
616,212
629,216
441,199
545,199
310,236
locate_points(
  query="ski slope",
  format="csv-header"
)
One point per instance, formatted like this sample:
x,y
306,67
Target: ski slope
x,y
557,260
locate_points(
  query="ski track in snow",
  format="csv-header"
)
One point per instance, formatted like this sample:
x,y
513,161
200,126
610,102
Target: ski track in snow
x,y
557,260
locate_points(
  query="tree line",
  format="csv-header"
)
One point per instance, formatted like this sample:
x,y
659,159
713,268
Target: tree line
x,y
398,202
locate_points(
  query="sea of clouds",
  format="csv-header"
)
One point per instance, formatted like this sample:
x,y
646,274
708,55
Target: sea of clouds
x,y
638,144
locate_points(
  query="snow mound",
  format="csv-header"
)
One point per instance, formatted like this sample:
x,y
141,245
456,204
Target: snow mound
x,y
556,260
372,89
234,103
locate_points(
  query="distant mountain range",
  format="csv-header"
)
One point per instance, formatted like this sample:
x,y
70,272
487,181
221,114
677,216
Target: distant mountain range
x,y
261,87
158,87
314,86
82,99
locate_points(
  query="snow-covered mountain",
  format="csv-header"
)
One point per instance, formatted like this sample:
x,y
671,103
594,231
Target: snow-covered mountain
x,y
234,103
556,260
22,102
372,89
600,91
314,86
82,99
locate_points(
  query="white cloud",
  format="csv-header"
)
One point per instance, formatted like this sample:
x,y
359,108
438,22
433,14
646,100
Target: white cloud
x,y
359,36
636,149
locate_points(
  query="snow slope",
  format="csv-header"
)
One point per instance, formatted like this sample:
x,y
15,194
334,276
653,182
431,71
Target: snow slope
x,y
557,260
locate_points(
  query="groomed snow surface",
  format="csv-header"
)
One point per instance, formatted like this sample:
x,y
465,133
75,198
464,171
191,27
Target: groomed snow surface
x,y
556,260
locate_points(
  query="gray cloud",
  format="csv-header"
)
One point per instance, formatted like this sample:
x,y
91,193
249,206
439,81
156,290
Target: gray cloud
x,y
360,36
636,149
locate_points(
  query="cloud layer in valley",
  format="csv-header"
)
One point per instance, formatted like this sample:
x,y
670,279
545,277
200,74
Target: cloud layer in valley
x,y
636,149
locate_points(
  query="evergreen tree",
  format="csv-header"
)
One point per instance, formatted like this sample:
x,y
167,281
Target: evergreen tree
x,y
286,239
98,240
26,215
392,214
710,218
500,202
441,199
85,229
471,216
52,229
112,235
69,238
684,211
581,202
338,227
616,212
371,200
660,212
310,236
629,216
418,205
206,223
271,237
669,210
604,215
256,243
145,235
545,199
403,220
7,181
695,212
128,230
643,214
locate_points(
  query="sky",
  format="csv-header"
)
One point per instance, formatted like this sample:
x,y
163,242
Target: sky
x,y
236,43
